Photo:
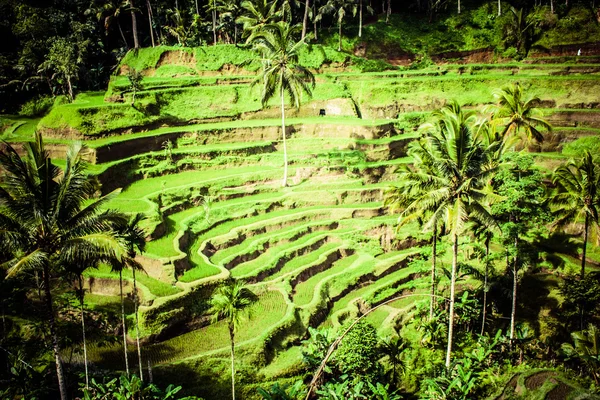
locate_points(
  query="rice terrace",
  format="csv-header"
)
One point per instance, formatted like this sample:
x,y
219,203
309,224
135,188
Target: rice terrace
x,y
326,199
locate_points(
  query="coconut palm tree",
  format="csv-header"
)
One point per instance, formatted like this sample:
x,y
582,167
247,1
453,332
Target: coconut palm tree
x,y
130,6
339,8
257,14
577,195
454,188
228,301
518,114
399,197
48,223
281,73
108,13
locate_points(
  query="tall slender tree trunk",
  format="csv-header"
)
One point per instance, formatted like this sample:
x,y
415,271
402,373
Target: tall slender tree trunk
x,y
585,240
452,292
197,9
123,322
305,19
389,12
137,325
235,35
552,6
136,43
459,6
232,337
70,88
499,8
340,34
314,19
53,335
285,161
85,359
150,22
214,23
485,283
513,312
122,35
433,262
360,17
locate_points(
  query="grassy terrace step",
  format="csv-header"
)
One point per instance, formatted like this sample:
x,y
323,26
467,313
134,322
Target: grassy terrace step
x,y
274,258
314,260
263,316
232,255
367,270
304,292
114,156
380,289
203,267
151,287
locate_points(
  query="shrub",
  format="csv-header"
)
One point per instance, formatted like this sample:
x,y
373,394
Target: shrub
x,y
37,106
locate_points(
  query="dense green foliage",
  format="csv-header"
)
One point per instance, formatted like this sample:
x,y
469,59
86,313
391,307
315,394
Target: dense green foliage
x,y
476,278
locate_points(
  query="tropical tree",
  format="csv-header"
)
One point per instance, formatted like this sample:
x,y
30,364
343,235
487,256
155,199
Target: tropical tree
x,y
454,188
63,64
518,31
129,6
134,240
281,73
339,8
401,196
108,13
228,301
257,14
47,222
522,209
577,196
586,349
360,16
519,114
233,11
392,348
135,78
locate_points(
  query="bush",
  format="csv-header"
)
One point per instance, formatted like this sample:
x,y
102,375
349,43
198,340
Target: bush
x,y
37,106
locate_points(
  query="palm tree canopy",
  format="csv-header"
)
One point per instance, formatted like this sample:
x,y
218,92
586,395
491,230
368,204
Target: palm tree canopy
x,y
230,299
281,70
451,171
577,190
45,215
257,14
519,114
339,8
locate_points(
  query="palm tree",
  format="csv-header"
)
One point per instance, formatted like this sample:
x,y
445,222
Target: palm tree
x,y
227,302
281,71
129,6
341,8
578,195
258,14
305,19
360,16
48,223
108,13
392,348
519,114
518,31
453,188
134,240
401,196
586,348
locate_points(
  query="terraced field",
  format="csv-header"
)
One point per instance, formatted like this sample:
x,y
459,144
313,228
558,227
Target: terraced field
x,y
203,162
